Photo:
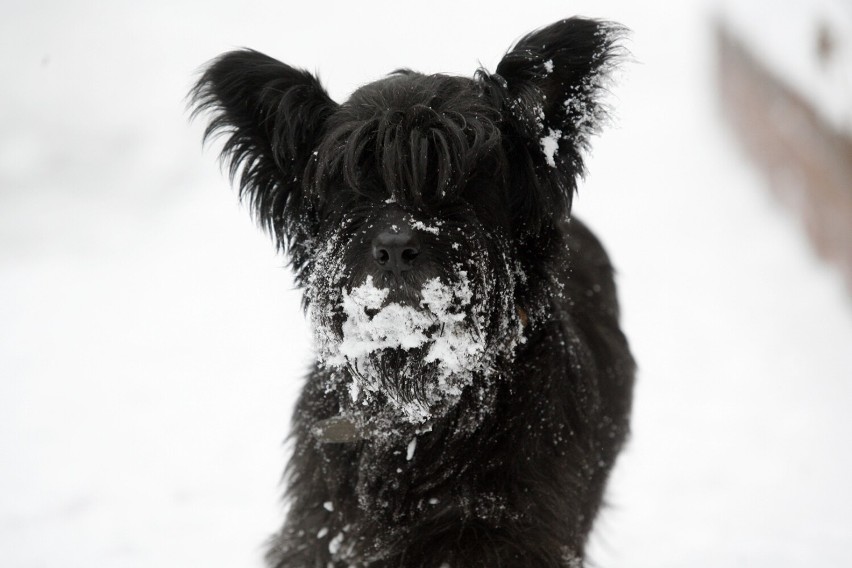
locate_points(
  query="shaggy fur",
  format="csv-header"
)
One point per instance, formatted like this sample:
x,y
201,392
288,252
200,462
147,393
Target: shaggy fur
x,y
472,386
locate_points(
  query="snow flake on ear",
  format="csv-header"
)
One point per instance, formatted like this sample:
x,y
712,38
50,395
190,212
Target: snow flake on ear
x,y
548,66
548,141
550,146
585,114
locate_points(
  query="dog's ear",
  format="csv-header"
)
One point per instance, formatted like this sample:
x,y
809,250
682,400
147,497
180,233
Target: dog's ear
x,y
550,84
271,116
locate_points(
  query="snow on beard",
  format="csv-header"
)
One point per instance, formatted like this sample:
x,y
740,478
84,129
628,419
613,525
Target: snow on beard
x,y
415,359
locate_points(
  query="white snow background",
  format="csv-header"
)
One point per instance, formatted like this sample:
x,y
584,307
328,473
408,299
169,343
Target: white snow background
x,y
151,344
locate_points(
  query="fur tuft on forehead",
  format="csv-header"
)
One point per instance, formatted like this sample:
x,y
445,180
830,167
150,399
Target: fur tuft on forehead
x,y
410,137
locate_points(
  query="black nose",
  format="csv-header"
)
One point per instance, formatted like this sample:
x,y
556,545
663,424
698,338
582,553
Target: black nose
x,y
396,248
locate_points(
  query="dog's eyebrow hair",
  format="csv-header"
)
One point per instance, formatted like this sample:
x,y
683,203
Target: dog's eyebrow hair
x,y
420,143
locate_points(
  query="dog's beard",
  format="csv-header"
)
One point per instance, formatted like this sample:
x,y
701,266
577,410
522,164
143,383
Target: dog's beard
x,y
418,357
405,350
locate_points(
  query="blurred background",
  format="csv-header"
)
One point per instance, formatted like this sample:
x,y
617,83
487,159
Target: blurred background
x,y
151,342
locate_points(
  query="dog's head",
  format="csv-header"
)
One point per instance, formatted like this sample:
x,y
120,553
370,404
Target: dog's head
x,y
417,213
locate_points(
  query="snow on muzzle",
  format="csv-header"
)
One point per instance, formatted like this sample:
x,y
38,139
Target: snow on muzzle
x,y
416,357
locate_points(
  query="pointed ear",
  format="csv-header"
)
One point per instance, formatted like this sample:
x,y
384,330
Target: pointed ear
x,y
271,116
551,82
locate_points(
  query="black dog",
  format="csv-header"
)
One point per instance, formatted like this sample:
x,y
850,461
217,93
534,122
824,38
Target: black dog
x,y
472,388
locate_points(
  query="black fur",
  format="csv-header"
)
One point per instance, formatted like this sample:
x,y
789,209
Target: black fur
x,y
496,452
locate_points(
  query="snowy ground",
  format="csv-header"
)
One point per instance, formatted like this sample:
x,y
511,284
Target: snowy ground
x,y
151,342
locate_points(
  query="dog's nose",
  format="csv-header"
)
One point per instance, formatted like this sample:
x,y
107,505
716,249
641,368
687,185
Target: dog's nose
x,y
396,248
